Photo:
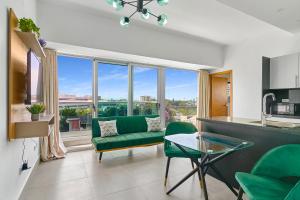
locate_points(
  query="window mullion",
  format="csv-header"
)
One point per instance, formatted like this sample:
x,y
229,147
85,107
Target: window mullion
x,y
130,90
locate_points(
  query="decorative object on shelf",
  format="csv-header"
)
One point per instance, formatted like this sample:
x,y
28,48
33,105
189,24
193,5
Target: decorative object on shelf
x,y
140,8
42,42
36,110
27,25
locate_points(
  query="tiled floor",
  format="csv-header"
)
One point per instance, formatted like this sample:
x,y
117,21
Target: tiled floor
x,y
120,176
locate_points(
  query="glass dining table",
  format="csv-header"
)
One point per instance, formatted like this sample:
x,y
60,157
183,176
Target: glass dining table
x,y
213,147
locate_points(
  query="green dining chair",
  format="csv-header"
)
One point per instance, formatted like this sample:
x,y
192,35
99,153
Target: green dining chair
x,y
276,176
172,151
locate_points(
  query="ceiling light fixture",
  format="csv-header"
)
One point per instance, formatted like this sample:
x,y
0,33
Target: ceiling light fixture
x,y
140,8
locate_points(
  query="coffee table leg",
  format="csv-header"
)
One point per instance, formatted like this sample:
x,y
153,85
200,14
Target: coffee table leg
x,y
183,180
203,182
223,179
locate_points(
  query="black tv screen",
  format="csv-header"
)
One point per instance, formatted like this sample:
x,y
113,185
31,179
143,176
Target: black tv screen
x,y
34,78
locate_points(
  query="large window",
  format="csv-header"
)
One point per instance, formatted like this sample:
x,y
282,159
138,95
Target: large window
x,y
181,95
112,90
75,96
145,91
122,90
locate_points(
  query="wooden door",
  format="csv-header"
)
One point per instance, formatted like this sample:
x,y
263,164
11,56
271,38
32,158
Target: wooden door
x,y
218,96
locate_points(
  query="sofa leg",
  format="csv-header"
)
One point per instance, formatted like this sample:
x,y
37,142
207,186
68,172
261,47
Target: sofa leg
x,y
167,170
240,195
100,157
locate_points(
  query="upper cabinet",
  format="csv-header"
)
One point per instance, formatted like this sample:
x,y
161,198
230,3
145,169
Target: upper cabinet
x,y
284,72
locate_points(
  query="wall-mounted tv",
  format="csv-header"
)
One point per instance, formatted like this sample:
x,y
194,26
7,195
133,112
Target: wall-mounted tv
x,y
34,77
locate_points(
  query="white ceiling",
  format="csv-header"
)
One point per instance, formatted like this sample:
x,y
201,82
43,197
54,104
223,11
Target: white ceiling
x,y
208,19
284,14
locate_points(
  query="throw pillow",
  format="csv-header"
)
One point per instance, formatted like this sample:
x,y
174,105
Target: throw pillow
x,y
108,128
153,124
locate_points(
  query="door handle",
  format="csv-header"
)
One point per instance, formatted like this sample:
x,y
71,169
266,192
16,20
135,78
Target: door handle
x,y
296,81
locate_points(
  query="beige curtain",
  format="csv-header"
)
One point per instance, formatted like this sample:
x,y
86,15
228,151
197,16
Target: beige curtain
x,y
203,95
51,146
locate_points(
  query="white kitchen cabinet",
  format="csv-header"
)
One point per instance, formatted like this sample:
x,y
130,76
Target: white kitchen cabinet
x,y
284,72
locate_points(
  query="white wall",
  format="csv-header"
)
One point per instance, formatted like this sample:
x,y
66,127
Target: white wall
x,y
12,180
246,61
85,27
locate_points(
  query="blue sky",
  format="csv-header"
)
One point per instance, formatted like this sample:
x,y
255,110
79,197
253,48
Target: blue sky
x,y
75,77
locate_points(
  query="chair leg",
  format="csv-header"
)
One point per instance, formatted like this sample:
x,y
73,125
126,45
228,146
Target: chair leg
x,y
100,157
167,170
192,164
240,195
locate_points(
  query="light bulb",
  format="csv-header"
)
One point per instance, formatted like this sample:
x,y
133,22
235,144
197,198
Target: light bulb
x,y
162,20
162,2
110,2
118,4
124,21
145,13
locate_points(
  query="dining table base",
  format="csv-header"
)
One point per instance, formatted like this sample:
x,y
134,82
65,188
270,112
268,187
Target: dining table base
x,y
202,166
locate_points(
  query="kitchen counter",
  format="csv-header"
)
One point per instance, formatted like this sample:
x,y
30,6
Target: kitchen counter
x,y
250,122
264,138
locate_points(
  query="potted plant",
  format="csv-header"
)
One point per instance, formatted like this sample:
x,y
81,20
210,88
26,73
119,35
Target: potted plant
x,y
35,111
27,25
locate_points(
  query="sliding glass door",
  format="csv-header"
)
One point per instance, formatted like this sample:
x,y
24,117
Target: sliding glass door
x,y
181,95
145,91
112,89
89,87
75,99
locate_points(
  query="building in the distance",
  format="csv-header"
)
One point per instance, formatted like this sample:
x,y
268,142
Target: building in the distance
x,y
145,98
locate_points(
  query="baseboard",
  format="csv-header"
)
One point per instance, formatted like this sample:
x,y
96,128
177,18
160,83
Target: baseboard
x,y
36,163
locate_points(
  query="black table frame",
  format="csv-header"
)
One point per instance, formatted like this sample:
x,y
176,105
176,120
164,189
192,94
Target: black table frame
x,y
205,163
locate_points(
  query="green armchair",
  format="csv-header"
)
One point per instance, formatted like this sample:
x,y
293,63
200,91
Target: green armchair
x,y
275,176
172,151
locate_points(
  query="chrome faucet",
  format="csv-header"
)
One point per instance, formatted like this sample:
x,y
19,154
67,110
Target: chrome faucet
x,y
264,115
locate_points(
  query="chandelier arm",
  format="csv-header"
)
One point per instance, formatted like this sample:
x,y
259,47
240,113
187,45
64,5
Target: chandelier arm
x,y
149,1
150,13
132,5
128,2
132,14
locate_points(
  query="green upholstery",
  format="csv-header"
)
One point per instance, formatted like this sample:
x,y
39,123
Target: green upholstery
x,y
176,128
128,140
274,175
125,124
263,188
132,132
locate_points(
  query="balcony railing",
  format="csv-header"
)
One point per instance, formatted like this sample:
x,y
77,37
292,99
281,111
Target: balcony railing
x,y
77,116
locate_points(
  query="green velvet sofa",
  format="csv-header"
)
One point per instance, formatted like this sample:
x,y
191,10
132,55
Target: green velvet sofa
x,y
132,132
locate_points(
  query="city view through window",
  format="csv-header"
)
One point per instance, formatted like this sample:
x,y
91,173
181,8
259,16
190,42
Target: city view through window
x,y
76,100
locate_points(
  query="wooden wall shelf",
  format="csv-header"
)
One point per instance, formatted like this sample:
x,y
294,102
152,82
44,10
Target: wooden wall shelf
x,y
31,41
19,122
27,128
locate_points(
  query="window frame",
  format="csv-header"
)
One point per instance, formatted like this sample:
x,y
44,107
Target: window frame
x,y
161,81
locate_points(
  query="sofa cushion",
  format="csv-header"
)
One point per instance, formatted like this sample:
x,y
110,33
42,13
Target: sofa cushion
x,y
125,124
127,140
153,124
108,128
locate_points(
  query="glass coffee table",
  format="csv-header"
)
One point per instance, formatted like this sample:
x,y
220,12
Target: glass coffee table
x,y
213,147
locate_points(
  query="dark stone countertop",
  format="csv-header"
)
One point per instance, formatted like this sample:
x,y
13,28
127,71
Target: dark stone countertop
x,y
249,122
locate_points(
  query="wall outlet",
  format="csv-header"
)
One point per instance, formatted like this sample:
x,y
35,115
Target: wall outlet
x,y
25,166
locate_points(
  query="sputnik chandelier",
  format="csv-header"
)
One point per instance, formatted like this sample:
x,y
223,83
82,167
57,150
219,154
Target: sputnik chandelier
x,y
140,8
